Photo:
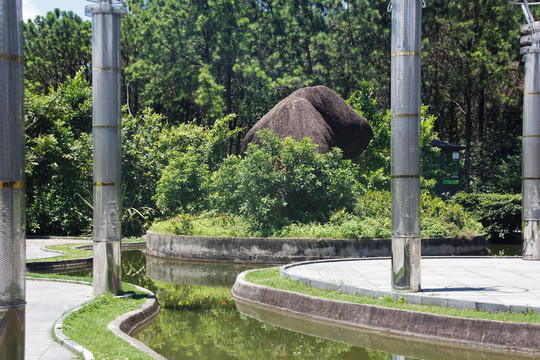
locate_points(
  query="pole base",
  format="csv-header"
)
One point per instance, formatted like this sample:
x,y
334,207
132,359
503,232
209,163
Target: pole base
x,y
531,240
406,256
12,321
107,267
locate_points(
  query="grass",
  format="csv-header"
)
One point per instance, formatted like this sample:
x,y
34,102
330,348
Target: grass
x,y
345,227
71,252
88,326
271,278
59,277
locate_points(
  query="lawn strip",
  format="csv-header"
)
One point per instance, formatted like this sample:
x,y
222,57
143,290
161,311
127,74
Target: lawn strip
x,y
88,326
271,278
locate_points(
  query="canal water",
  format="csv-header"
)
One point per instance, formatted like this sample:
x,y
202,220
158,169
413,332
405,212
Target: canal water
x,y
199,320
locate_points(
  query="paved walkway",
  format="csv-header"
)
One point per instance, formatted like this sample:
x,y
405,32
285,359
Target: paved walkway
x,y
491,284
34,247
47,301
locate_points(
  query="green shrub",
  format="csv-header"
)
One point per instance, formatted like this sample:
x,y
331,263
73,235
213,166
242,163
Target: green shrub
x,y
279,181
182,186
498,213
59,159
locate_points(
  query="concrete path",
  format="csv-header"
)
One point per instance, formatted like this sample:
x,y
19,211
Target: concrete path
x,y
34,247
491,284
47,301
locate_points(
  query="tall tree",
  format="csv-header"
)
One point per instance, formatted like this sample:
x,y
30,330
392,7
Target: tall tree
x,y
471,53
56,47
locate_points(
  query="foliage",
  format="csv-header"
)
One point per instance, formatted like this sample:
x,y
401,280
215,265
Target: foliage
x,y
197,61
279,181
58,158
203,59
59,162
56,47
178,225
192,152
370,219
376,160
141,169
498,213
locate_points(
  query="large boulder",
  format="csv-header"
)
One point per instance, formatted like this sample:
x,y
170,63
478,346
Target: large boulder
x,y
320,114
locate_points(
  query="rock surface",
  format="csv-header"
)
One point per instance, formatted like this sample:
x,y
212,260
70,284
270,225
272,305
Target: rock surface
x,y
320,114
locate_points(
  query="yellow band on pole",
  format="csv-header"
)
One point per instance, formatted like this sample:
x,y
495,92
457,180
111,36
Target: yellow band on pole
x,y
107,184
11,57
405,53
11,184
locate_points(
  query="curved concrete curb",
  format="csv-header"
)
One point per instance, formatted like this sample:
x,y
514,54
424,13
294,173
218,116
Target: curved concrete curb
x,y
412,298
66,341
61,264
285,251
136,320
519,337
57,328
65,264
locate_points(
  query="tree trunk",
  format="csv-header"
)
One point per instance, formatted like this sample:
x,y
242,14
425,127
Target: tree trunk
x,y
468,95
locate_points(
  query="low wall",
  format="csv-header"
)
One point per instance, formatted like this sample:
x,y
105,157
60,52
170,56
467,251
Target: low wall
x,y
412,326
272,251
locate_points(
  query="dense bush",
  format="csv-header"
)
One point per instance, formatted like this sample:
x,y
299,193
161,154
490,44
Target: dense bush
x,y
498,213
279,181
58,159
190,152
370,220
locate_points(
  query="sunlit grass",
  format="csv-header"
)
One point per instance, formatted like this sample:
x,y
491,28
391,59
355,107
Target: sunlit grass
x,y
88,326
271,278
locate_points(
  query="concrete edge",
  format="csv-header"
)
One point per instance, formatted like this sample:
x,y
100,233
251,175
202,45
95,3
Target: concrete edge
x,y
288,250
499,335
122,326
418,298
63,339
44,248
136,320
66,341
71,263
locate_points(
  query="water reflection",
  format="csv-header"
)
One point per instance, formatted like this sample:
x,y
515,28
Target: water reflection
x,y
199,320
194,273
407,347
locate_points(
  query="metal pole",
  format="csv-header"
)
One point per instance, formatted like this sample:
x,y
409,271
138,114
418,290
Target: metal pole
x,y
12,182
106,121
405,153
531,139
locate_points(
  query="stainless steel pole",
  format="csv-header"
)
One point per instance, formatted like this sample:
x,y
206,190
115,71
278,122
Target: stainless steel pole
x,y
405,153
531,142
12,182
107,145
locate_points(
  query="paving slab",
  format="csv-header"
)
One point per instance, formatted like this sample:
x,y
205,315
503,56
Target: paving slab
x,y
486,283
47,301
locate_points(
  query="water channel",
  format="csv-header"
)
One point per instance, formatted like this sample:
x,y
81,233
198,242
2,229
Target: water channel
x,y
199,320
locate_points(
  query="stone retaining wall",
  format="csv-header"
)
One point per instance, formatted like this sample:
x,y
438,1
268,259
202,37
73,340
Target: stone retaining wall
x,y
489,334
265,250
